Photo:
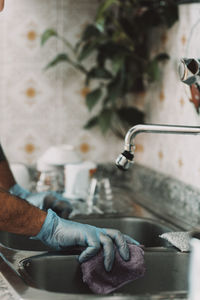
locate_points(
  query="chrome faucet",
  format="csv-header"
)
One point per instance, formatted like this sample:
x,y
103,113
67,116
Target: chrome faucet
x,y
125,159
189,72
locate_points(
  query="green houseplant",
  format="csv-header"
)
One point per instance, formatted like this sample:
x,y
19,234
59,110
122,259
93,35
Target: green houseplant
x,y
119,39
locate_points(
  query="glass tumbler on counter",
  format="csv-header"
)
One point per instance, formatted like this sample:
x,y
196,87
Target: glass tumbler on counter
x,y
48,181
106,196
100,196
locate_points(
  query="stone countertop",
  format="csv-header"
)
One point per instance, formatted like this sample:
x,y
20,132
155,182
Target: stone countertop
x,y
169,198
6,290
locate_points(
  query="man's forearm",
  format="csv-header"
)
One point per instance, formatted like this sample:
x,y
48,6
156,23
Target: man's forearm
x,y
1,4
6,177
18,216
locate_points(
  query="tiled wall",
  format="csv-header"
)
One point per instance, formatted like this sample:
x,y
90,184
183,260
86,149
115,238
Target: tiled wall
x,y
169,103
40,108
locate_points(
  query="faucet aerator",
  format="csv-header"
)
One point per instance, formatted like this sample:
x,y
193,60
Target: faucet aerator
x,y
124,160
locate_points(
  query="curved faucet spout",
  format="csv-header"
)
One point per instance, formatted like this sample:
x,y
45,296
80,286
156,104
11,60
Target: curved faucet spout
x,y
126,158
155,128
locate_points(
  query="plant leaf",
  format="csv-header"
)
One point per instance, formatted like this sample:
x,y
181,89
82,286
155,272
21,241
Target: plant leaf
x,y
117,63
86,50
93,97
114,89
153,70
91,123
103,7
105,119
131,115
47,35
171,14
99,73
63,57
100,24
111,49
162,57
90,32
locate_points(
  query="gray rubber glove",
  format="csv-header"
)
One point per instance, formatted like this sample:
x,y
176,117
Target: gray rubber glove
x,y
59,233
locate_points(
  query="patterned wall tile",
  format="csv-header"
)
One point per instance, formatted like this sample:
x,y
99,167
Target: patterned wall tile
x,y
39,108
170,104
23,25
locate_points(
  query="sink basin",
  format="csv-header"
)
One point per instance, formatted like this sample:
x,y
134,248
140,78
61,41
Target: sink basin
x,y
166,271
146,231
21,242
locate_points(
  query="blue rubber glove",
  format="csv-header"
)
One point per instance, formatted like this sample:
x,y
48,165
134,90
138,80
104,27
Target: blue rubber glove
x,y
17,190
37,199
59,233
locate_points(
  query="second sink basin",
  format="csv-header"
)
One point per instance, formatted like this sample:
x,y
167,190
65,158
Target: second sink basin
x,y
145,231
166,271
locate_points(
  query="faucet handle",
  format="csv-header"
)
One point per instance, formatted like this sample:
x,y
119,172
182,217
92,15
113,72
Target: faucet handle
x,y
189,70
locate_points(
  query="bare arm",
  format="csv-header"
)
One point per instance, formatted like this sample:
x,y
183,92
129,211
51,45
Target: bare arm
x,y
18,216
6,177
1,5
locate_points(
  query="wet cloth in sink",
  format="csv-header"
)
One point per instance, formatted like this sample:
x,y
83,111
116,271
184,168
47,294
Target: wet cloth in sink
x,y
103,282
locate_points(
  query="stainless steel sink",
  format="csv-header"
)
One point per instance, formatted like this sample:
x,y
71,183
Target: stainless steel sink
x,y
165,271
21,242
146,231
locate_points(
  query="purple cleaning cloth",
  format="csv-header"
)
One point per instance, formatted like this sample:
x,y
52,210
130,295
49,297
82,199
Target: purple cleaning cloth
x,y
102,282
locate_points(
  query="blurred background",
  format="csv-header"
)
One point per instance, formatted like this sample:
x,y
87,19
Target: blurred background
x,y
44,108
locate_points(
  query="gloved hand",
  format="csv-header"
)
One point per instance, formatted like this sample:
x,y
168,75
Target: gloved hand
x,y
17,190
59,233
39,199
